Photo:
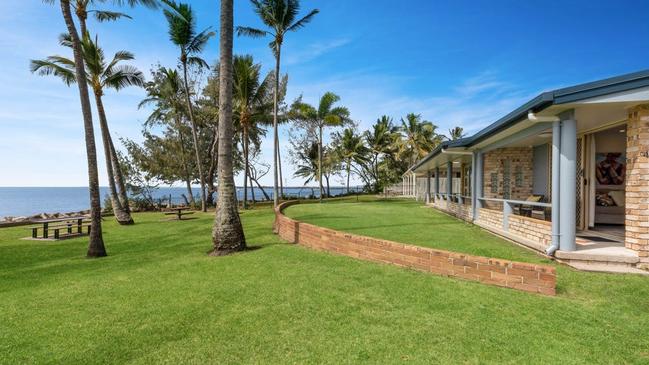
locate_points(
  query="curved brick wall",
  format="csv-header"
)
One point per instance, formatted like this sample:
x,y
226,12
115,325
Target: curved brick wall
x,y
516,275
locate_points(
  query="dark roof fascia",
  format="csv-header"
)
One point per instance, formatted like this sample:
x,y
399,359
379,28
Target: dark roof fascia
x,y
602,87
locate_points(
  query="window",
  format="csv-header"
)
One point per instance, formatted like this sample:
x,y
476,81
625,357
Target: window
x,y
507,171
519,176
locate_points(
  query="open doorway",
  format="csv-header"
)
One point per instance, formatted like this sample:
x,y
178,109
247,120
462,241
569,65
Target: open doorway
x,y
605,181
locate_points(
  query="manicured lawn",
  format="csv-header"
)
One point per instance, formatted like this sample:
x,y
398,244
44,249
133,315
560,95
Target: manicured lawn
x,y
159,298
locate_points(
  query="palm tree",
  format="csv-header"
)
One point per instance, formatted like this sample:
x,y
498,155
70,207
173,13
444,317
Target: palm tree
x,y
167,94
420,137
250,106
351,149
96,246
380,140
279,16
455,133
325,116
100,75
227,234
308,167
182,31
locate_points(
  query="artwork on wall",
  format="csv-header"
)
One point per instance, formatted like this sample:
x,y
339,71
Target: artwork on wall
x,y
610,168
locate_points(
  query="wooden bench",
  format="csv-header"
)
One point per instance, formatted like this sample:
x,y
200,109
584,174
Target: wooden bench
x,y
178,212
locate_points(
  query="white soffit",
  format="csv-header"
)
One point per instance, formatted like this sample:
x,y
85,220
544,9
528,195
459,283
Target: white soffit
x,y
630,96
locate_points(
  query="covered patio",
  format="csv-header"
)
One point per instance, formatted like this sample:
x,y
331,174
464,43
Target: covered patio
x,y
566,174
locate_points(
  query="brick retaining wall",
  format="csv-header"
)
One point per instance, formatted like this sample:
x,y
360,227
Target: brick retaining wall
x,y
516,275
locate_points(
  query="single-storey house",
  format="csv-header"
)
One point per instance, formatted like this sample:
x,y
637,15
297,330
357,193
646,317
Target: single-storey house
x,y
567,173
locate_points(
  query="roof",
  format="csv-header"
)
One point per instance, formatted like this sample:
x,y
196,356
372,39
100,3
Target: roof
x,y
556,97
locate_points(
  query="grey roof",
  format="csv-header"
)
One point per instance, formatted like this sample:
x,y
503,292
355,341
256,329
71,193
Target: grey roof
x,y
556,97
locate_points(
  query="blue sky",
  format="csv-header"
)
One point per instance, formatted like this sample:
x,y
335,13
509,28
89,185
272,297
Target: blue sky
x,y
460,63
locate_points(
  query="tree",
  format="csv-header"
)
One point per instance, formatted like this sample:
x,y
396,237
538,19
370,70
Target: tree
x,y
250,107
279,16
325,116
419,138
96,246
227,234
381,143
100,75
165,91
350,149
182,31
83,9
455,133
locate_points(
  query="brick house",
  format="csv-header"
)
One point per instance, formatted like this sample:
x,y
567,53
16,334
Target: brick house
x,y
567,173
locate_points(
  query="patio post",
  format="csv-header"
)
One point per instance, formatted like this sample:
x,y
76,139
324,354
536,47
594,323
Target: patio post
x,y
428,187
474,181
436,183
556,191
449,180
568,184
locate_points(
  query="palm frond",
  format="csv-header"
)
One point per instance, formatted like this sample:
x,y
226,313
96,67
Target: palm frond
x,y
251,32
124,76
198,62
304,21
198,43
108,16
51,67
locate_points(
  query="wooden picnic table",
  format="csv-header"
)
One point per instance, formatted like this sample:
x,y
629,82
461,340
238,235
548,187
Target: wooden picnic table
x,y
69,224
179,212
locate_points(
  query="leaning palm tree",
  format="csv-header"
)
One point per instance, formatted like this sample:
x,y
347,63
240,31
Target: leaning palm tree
x,y
250,106
182,32
279,16
326,115
227,234
100,75
96,246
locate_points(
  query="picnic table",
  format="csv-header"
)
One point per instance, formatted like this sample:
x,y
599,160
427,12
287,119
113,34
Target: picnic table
x,y
62,227
179,212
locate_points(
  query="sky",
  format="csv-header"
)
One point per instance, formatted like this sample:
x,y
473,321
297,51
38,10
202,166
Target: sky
x,y
457,63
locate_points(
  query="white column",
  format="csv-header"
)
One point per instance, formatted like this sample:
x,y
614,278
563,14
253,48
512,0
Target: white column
x,y
568,185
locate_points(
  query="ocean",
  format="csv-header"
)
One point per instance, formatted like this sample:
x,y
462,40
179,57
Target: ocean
x,y
27,201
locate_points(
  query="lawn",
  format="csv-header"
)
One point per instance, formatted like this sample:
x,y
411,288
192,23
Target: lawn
x,y
159,298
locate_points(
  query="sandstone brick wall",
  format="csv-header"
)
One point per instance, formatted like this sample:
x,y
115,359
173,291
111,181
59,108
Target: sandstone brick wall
x,y
532,229
495,162
522,276
491,217
637,183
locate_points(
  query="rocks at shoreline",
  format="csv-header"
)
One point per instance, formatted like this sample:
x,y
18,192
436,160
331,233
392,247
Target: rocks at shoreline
x,y
20,219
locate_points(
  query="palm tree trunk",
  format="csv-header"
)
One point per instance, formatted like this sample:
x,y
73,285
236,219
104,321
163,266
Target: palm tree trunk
x,y
252,190
245,167
279,166
349,169
328,190
190,108
119,178
275,133
96,246
184,163
260,188
122,216
227,234
320,161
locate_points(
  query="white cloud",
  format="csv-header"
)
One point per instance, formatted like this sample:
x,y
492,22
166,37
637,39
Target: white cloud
x,y
315,50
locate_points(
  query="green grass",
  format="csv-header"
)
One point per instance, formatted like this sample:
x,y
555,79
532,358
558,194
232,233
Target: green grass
x,y
159,298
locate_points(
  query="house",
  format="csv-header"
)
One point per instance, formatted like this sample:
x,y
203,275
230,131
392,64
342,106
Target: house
x,y
567,173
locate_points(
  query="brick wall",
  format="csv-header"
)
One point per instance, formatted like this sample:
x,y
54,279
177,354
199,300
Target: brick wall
x,y
637,183
496,161
491,217
532,229
522,276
